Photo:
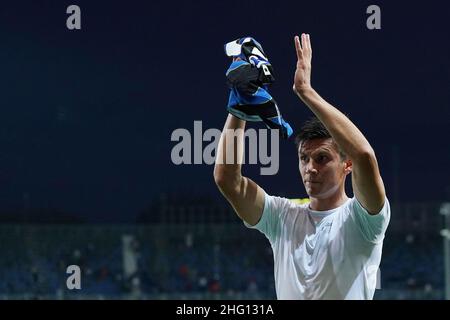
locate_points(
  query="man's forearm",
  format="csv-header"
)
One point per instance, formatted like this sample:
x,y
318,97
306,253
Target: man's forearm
x,y
348,137
227,170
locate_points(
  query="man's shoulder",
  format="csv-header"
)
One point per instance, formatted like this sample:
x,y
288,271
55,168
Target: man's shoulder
x,y
355,205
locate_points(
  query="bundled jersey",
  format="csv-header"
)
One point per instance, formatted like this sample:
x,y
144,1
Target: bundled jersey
x,y
248,77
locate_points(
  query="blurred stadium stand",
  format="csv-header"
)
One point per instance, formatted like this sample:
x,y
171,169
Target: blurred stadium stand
x,y
196,250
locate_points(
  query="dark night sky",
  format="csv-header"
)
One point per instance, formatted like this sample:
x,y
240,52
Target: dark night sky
x,y
86,116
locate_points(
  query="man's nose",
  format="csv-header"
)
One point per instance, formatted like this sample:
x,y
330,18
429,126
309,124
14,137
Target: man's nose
x,y
310,167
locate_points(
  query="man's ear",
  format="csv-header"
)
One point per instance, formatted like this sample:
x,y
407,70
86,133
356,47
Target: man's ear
x,y
348,166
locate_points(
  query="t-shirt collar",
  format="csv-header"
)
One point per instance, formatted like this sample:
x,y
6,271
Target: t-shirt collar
x,y
324,213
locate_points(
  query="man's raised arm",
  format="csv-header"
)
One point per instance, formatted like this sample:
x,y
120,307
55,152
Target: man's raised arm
x,y
246,197
367,184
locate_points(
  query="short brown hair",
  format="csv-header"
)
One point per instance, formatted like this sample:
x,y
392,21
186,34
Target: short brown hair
x,y
312,129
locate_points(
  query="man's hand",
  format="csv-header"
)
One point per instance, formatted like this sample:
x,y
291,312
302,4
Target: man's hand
x,y
302,78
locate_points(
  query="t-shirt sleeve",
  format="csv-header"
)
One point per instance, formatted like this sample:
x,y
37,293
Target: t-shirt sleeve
x,y
372,227
272,218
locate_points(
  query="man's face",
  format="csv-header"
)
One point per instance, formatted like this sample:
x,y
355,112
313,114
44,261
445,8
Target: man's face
x,y
321,167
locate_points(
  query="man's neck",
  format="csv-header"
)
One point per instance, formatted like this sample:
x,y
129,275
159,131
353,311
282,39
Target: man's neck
x,y
333,202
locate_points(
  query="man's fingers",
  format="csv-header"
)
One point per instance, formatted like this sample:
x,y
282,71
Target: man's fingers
x,y
304,41
298,48
309,43
303,46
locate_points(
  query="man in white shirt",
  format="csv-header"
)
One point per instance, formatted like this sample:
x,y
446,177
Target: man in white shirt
x,y
330,248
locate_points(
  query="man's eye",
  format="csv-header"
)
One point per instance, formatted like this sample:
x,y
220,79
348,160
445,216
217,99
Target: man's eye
x,y
321,158
302,158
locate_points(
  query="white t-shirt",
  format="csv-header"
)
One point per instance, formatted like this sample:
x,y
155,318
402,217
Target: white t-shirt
x,y
335,258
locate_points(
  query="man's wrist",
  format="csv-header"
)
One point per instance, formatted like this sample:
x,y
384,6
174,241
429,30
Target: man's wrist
x,y
237,122
304,91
